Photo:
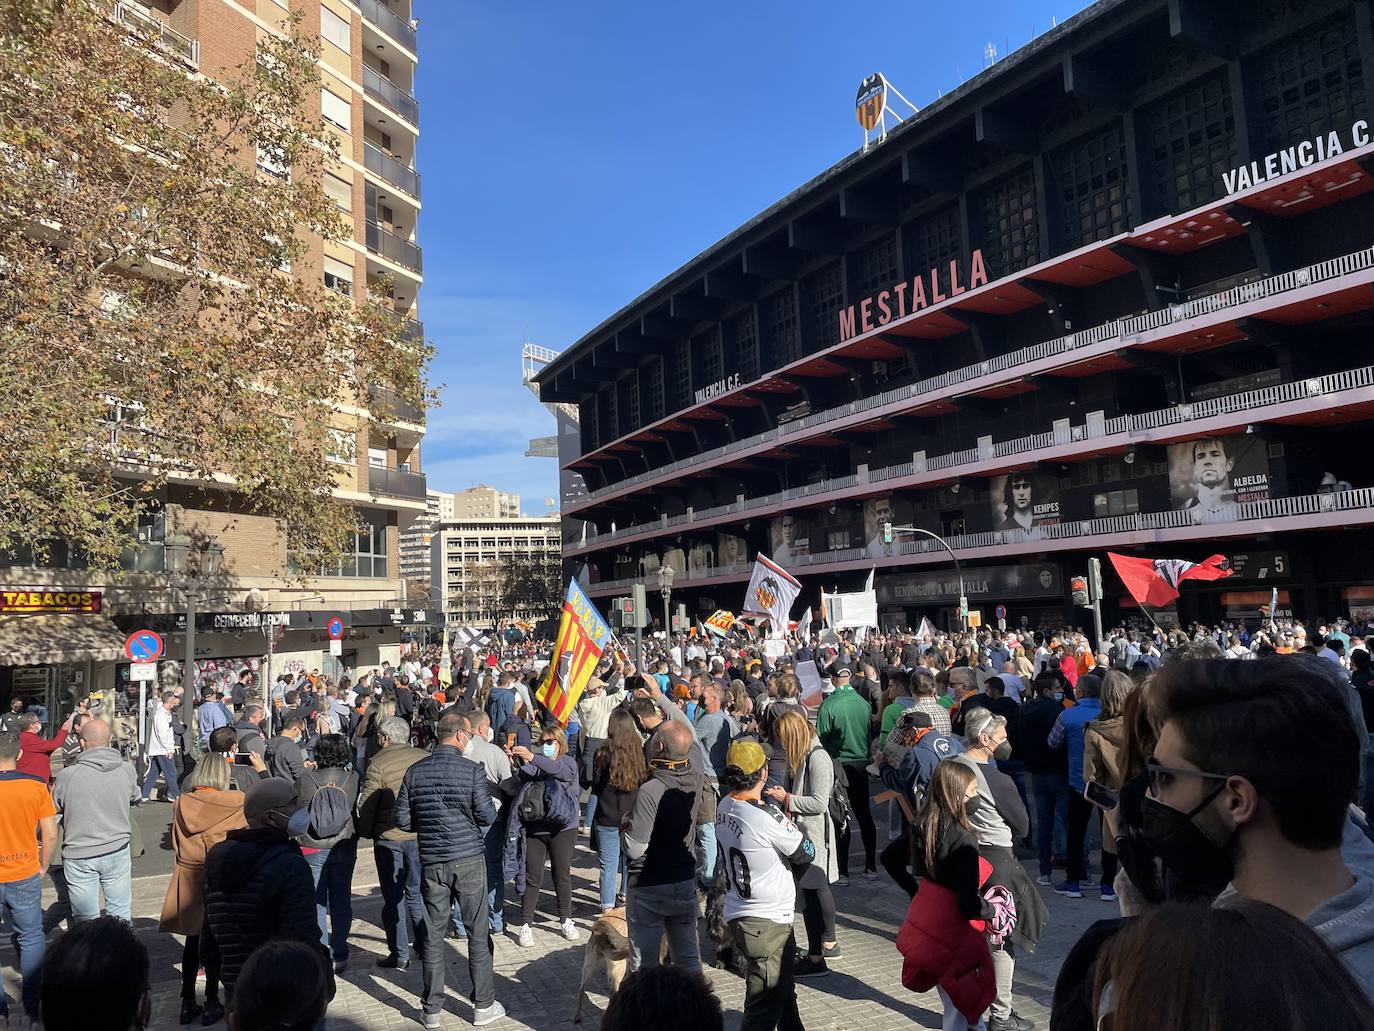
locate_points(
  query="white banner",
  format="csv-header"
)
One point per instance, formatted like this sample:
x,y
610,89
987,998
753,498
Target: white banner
x,y
851,611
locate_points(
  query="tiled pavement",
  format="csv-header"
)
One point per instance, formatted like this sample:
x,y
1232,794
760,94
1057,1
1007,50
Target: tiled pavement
x,y
538,985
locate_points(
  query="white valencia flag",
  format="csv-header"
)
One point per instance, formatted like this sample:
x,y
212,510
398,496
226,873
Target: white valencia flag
x,y
772,590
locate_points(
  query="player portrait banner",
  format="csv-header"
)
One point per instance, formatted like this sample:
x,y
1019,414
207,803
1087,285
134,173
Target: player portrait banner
x,y
772,590
582,637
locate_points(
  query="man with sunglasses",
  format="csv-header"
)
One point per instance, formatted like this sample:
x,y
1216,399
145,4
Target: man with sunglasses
x,y
1251,782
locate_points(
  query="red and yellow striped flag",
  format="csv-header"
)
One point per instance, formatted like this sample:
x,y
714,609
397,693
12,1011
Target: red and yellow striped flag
x,y
582,637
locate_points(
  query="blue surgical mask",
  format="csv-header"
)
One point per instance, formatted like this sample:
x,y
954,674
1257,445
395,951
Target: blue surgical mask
x,y
550,750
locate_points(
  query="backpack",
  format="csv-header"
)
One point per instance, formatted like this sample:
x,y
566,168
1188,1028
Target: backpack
x,y
329,812
543,804
839,808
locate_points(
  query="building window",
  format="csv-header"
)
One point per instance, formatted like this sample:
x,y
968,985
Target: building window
x,y
712,350
338,276
337,110
933,242
650,389
376,457
277,252
1311,84
273,162
743,340
1011,238
681,378
340,191
875,267
335,29
1192,140
783,337
824,293
1116,502
341,446
1091,179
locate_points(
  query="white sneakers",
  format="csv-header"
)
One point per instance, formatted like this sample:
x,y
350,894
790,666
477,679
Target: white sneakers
x,y
525,937
488,1014
433,1020
570,930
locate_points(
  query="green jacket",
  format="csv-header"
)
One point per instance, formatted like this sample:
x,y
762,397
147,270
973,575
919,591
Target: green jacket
x,y
843,725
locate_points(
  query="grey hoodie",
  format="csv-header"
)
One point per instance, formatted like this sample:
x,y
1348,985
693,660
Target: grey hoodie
x,y
93,795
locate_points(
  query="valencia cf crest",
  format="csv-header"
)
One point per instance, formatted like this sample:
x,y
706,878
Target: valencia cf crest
x,y
766,594
871,101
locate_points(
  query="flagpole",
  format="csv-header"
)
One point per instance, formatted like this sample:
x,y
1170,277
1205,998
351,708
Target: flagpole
x,y
1162,636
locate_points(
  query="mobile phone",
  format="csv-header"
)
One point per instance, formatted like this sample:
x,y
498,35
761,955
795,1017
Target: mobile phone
x,y
243,759
1103,797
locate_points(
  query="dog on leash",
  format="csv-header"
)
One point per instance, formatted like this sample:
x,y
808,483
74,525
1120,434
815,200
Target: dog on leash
x,y
718,930
608,949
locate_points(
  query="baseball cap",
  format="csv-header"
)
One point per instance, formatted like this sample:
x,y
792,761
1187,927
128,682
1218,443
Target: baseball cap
x,y
746,756
272,803
842,671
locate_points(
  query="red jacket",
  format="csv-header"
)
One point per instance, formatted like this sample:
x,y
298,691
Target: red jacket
x,y
940,946
36,750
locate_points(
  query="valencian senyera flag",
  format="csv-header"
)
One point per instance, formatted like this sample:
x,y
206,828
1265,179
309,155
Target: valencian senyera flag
x,y
582,636
772,590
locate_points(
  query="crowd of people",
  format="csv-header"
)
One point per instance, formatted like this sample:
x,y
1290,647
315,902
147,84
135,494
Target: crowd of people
x,y
719,785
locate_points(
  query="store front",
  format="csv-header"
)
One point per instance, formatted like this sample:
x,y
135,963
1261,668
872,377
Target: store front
x,y
56,647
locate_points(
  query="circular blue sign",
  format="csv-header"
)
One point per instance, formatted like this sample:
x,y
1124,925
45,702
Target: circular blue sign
x,y
335,628
144,646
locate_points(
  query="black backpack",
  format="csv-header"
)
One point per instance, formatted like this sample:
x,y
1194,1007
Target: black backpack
x,y
840,810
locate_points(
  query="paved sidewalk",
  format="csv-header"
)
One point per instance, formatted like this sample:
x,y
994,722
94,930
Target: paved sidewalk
x,y
538,985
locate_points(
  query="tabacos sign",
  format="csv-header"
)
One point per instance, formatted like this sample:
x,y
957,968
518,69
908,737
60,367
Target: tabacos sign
x,y
1300,155
44,600
910,296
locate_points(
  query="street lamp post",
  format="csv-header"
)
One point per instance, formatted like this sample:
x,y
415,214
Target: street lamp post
x,y
189,563
963,598
665,585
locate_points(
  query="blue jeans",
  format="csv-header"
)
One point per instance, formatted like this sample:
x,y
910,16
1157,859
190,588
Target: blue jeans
x,y
86,877
1051,815
706,844
332,871
398,870
161,764
493,847
611,862
23,901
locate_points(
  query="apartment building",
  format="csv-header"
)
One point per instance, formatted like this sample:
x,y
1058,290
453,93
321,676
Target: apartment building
x,y
51,652
467,557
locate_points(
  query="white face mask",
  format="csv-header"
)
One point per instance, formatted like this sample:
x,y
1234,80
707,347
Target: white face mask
x,y
467,748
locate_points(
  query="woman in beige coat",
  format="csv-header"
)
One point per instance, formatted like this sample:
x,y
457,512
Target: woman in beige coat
x,y
201,817
1103,741
808,781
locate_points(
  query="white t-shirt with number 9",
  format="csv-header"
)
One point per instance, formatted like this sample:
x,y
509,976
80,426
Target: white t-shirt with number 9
x,y
758,845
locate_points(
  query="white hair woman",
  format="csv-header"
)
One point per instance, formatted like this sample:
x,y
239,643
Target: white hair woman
x,y
998,819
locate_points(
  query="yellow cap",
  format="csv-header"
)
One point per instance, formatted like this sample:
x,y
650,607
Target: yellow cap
x,y
746,756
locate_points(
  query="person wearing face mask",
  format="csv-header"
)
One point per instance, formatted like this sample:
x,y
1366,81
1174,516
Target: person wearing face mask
x,y
481,749
998,818
942,939
554,835
1254,807
396,852
1067,733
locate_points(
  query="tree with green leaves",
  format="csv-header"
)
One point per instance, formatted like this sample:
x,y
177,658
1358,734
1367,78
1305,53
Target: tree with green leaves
x,y
150,272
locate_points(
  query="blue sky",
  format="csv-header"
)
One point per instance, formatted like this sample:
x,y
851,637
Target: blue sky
x,y
574,154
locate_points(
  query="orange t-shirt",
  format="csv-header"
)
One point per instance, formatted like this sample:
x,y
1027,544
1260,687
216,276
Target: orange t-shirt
x,y
24,800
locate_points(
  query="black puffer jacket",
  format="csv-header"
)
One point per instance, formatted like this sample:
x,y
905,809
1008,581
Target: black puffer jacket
x,y
257,888
444,799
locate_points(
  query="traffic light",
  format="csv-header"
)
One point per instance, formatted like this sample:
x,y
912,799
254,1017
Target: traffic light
x,y
887,533
640,611
1095,579
1079,586
622,612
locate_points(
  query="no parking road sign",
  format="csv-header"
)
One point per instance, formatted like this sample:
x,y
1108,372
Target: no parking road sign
x,y
144,646
335,627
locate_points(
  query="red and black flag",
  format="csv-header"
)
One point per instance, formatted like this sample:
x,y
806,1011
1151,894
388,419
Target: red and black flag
x,y
1155,581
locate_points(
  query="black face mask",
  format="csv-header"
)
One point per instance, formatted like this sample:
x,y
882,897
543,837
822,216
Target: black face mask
x,y
1002,752
972,805
1180,843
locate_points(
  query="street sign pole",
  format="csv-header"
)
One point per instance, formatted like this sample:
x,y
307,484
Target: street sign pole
x,y
1095,596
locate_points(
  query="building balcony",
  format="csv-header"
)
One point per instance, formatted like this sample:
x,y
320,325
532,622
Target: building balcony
x,y
392,483
140,21
397,173
382,16
388,245
400,411
379,87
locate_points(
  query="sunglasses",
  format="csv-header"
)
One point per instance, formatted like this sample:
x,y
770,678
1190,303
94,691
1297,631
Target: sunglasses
x,y
1162,777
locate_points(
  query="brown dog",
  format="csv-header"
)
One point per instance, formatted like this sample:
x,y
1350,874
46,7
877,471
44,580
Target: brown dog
x,y
608,949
